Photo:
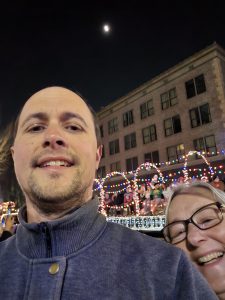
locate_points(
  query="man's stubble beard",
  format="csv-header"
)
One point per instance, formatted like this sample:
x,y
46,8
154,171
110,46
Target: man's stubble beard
x,y
51,199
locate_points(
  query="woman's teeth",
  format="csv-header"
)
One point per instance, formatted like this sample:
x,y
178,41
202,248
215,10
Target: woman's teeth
x,y
208,258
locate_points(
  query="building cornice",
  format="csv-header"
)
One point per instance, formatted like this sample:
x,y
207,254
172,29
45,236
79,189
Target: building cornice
x,y
166,77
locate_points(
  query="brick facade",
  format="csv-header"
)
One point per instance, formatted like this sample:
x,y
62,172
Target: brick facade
x,y
205,67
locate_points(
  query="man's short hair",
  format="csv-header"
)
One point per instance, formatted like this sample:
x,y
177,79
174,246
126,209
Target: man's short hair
x,y
92,111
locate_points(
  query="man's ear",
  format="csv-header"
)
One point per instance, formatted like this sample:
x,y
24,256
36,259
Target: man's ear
x,y
98,155
12,151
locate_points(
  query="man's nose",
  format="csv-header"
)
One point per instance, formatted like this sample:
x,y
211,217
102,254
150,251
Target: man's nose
x,y
54,139
195,236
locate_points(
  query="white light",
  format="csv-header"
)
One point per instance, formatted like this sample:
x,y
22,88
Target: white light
x,y
106,28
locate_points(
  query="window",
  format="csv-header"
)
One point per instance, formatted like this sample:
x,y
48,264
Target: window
x,y
152,157
114,147
195,86
149,134
200,84
169,99
113,125
103,151
175,153
206,144
101,131
128,118
147,109
101,172
200,115
172,125
130,141
131,164
115,167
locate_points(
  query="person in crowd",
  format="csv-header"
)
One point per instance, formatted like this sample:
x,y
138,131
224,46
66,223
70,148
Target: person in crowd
x,y
169,187
108,203
157,197
128,197
141,195
195,223
180,180
217,182
129,205
118,203
8,229
145,205
113,211
147,201
64,248
204,179
155,179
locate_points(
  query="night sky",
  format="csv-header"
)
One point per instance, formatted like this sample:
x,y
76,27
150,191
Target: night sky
x,y
45,43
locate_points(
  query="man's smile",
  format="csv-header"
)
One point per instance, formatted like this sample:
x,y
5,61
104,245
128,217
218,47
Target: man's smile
x,y
55,163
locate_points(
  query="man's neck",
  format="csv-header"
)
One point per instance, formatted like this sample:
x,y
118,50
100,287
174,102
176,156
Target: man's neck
x,y
36,216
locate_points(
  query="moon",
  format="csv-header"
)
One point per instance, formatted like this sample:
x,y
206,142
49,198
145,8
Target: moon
x,y
106,28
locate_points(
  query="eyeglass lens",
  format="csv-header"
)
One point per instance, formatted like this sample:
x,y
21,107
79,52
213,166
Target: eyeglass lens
x,y
204,218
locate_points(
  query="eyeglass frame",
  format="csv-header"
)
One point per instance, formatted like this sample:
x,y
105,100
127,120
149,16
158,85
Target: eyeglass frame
x,y
219,205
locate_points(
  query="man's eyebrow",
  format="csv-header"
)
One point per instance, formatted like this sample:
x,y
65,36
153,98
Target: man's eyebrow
x,y
64,117
70,115
40,115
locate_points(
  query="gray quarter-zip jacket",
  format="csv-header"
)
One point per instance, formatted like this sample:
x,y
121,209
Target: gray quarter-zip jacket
x,y
81,256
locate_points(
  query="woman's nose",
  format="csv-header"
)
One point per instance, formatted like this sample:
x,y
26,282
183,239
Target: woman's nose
x,y
195,236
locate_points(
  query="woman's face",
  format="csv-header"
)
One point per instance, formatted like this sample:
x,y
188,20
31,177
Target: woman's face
x,y
202,245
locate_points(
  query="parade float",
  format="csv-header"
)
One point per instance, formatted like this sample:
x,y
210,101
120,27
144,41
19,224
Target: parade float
x,y
148,176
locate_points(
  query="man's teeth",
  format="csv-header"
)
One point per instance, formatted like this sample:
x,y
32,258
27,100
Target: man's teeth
x,y
209,257
55,163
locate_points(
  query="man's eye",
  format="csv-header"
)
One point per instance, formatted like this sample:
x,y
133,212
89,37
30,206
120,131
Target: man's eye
x,y
36,128
73,127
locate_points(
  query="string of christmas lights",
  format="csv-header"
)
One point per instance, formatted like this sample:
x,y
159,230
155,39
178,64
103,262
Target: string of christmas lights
x,y
122,186
147,166
102,190
190,153
173,162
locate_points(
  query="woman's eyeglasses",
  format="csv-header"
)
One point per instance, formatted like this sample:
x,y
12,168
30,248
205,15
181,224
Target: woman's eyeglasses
x,y
204,218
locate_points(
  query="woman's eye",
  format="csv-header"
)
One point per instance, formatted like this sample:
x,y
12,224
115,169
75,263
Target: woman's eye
x,y
206,220
177,233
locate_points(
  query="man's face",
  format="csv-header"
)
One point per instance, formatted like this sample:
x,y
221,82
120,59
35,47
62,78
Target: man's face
x,y
55,150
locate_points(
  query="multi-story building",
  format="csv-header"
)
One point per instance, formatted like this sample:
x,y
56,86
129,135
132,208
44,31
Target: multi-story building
x,y
181,109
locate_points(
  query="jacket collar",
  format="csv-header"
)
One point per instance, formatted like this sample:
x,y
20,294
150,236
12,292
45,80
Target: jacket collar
x,y
60,237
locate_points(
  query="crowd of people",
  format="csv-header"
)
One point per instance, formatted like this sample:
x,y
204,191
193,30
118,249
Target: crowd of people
x,y
152,196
